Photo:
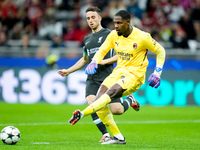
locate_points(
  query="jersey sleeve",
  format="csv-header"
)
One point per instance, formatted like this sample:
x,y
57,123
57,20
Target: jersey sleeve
x,y
156,48
84,50
104,49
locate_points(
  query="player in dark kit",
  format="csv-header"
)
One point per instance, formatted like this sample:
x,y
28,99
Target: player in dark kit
x,y
92,42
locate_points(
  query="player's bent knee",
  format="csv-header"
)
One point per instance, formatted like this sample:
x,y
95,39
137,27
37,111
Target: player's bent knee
x,y
116,108
117,111
115,91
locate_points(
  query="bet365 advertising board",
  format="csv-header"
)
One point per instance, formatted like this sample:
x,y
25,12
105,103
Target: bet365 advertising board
x,y
28,85
180,84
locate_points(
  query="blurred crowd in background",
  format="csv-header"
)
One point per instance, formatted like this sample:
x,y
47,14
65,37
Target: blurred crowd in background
x,y
39,25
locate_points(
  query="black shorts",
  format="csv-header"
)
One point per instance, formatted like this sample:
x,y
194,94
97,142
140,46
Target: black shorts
x,y
92,87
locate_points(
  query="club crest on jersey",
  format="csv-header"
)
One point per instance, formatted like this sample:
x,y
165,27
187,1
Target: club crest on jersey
x,y
134,45
100,38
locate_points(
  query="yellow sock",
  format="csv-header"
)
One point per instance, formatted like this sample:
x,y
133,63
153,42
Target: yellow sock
x,y
107,118
97,105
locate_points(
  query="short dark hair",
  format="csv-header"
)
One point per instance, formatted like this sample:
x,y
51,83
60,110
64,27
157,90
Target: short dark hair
x,y
95,9
124,14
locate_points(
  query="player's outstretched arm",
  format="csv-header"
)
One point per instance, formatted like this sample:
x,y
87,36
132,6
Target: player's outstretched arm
x,y
111,60
63,72
154,79
78,65
100,54
91,68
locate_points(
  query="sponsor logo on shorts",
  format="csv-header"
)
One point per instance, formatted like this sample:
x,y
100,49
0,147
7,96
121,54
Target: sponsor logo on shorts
x,y
122,78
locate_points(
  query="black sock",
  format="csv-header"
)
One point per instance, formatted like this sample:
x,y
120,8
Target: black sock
x,y
99,123
126,103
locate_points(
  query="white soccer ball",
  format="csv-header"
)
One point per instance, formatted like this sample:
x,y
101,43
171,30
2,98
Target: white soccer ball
x,y
10,135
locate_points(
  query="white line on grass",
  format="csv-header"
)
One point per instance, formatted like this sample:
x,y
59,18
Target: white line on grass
x,y
118,122
40,142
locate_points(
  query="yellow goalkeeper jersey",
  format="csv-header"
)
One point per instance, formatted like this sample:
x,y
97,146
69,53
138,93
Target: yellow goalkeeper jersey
x,y
132,51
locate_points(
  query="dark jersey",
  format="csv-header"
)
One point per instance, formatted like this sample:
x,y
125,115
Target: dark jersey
x,y
92,43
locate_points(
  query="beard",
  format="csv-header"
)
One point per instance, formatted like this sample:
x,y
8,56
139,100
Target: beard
x,y
94,27
119,34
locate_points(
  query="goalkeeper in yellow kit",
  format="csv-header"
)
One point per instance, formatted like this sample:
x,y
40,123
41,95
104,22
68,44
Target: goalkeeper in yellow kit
x,y
131,46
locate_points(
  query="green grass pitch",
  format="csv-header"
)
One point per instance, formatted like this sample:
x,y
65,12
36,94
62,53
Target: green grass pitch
x,y
45,127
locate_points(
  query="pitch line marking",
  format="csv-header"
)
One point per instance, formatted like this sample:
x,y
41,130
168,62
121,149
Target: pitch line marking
x,y
40,142
118,122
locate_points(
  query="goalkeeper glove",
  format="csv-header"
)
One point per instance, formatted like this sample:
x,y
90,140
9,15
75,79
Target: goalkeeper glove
x,y
154,79
91,68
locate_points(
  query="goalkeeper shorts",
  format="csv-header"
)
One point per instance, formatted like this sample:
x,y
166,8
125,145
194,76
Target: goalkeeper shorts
x,y
128,81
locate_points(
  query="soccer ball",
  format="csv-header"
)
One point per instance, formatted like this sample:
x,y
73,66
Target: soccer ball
x,y
10,135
